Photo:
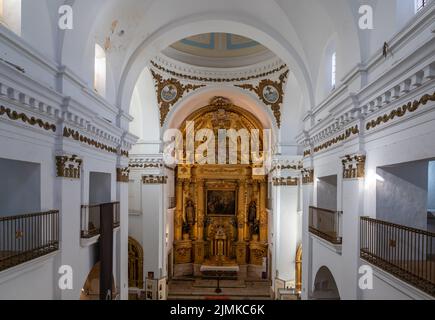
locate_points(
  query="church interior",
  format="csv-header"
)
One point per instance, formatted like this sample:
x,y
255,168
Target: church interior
x,y
217,150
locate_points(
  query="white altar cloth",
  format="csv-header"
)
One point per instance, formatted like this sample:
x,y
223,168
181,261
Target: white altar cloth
x,y
220,268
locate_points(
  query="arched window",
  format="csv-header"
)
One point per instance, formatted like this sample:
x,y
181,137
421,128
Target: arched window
x,y
420,4
100,70
10,15
333,70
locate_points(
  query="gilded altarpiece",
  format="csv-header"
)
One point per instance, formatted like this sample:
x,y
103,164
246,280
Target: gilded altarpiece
x,y
221,216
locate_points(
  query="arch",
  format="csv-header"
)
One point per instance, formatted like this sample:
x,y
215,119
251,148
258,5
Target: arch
x,y
201,97
135,264
91,287
219,113
10,15
100,70
144,109
155,25
324,86
298,269
325,287
214,22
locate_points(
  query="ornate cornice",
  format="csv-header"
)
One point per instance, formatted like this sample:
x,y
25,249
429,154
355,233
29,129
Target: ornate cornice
x,y
342,137
68,166
218,79
15,116
75,135
283,182
353,166
169,91
271,93
298,166
122,174
307,176
145,163
401,111
153,179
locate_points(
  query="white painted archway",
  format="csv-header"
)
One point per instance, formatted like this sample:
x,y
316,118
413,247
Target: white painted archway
x,y
190,26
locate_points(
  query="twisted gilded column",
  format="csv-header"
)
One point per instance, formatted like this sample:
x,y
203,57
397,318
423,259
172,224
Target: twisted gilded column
x,y
179,212
241,224
241,217
199,243
263,212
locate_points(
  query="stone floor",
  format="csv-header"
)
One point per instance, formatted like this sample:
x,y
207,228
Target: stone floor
x,y
204,289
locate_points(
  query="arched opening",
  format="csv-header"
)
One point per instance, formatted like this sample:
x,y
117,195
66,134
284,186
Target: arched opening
x,y
100,70
298,268
91,288
325,287
211,228
135,264
166,37
10,15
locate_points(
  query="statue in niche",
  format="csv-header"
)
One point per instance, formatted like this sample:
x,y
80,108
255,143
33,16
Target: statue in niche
x,y
190,213
252,213
253,222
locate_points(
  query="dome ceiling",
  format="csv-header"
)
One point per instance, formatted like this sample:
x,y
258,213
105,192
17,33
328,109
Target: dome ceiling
x,y
218,50
219,45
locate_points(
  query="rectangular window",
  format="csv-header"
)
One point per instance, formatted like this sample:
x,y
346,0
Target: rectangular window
x,y
420,4
333,70
10,15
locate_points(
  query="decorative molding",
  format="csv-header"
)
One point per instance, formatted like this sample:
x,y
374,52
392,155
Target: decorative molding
x,y
152,179
145,163
122,174
68,166
271,93
307,153
354,166
124,153
169,91
283,182
298,166
15,116
307,176
70,133
346,135
401,111
218,80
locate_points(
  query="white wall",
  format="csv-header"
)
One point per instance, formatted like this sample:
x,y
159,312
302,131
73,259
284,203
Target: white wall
x,y
431,187
100,188
152,230
33,281
287,232
145,110
402,196
327,193
20,187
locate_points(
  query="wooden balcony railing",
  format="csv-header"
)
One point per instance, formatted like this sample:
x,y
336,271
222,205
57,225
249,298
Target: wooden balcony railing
x,y
91,215
325,224
27,237
405,252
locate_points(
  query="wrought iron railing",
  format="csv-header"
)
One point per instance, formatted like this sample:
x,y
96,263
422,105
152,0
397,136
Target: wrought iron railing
x,y
27,237
325,224
407,253
90,219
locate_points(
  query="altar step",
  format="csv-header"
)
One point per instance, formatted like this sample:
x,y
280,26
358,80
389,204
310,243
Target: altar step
x,y
199,289
223,284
